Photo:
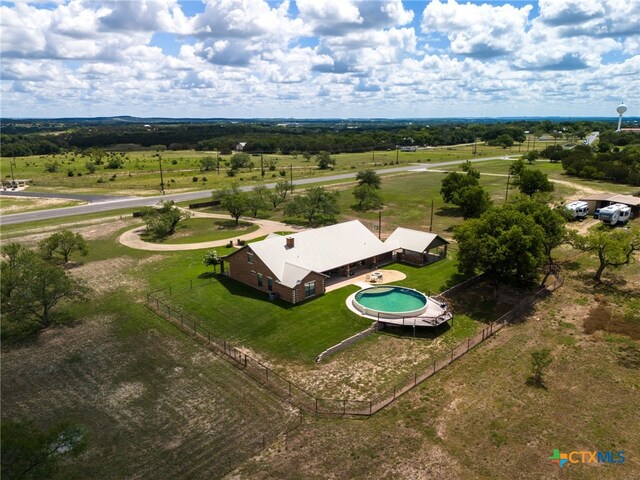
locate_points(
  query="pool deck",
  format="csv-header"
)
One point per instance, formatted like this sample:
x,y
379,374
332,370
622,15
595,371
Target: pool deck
x,y
433,316
388,276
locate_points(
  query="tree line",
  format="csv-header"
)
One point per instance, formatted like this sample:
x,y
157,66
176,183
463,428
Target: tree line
x,y
272,138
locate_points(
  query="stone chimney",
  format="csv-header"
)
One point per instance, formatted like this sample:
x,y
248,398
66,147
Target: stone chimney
x,y
290,242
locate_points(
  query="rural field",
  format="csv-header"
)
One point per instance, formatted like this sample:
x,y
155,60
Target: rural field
x,y
155,404
139,173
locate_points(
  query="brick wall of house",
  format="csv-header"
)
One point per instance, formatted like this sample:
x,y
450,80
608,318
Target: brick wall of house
x,y
238,268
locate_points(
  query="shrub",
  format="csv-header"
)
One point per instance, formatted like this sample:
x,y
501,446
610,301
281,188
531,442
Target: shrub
x,y
195,179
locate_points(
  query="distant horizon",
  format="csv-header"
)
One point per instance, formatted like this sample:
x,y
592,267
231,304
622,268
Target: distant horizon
x,y
299,119
319,59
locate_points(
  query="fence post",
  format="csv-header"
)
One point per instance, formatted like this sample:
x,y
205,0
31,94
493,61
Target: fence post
x,y
316,404
209,336
157,304
415,378
452,354
267,372
468,343
434,366
370,405
245,359
170,294
344,407
394,392
194,327
289,387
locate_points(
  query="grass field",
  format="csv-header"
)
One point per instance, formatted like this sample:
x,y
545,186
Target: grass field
x,y
195,230
140,173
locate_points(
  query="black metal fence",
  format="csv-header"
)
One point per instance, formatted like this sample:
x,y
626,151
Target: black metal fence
x,y
300,397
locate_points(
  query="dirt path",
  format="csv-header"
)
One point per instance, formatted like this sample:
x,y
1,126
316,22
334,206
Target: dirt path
x,y
132,238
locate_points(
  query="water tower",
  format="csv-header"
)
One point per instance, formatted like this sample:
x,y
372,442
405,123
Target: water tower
x,y
621,109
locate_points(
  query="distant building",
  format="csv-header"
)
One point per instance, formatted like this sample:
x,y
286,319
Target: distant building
x,y
410,148
297,267
240,146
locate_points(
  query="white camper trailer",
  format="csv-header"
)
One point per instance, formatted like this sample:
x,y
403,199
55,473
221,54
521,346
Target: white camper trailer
x,y
578,209
616,213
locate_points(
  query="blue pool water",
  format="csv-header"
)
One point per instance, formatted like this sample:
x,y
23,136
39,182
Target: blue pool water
x,y
391,299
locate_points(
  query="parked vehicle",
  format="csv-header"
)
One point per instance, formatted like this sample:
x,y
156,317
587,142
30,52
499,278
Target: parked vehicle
x,y
596,213
579,210
614,214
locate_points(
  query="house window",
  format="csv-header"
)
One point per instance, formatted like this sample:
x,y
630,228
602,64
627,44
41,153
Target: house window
x,y
250,257
259,279
309,289
269,283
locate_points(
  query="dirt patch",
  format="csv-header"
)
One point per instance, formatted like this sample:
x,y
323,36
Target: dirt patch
x,y
90,231
105,276
29,204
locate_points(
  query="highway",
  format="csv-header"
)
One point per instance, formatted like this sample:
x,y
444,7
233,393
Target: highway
x,y
115,203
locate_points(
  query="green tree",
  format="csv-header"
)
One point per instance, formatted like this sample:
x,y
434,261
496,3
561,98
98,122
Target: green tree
x,y
505,140
162,221
473,201
33,287
114,163
234,201
540,360
531,156
208,164
453,183
613,248
30,453
506,245
211,259
369,177
91,167
307,156
367,196
534,181
316,205
325,160
64,243
552,221
241,160
255,202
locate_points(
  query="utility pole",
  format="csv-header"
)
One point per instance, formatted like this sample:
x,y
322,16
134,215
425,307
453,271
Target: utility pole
x,y
506,195
475,144
373,154
431,221
397,154
261,166
379,224
13,179
291,174
161,177
218,161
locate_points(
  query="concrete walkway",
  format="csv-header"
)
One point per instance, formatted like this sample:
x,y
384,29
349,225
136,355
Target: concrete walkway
x,y
388,276
132,238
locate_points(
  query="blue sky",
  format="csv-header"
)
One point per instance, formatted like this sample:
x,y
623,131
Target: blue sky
x,y
319,58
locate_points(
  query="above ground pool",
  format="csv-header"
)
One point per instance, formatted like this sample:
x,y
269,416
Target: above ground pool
x,y
390,302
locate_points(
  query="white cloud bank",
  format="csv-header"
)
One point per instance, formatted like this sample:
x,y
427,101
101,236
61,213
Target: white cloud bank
x,y
319,58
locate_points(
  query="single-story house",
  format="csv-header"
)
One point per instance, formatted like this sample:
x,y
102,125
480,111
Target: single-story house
x,y
416,247
297,267
240,146
600,200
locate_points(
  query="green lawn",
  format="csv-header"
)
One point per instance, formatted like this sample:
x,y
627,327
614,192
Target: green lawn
x,y
195,230
243,315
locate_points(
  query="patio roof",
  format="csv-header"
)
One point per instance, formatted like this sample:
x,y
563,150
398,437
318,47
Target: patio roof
x,y
413,240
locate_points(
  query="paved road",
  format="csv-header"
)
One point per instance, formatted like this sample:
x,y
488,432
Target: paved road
x,y
69,196
134,202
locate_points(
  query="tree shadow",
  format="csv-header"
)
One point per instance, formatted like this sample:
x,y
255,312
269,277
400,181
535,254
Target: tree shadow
x,y
536,383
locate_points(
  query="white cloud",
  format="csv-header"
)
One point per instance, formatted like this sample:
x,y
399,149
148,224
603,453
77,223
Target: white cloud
x,y
599,18
481,31
335,58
